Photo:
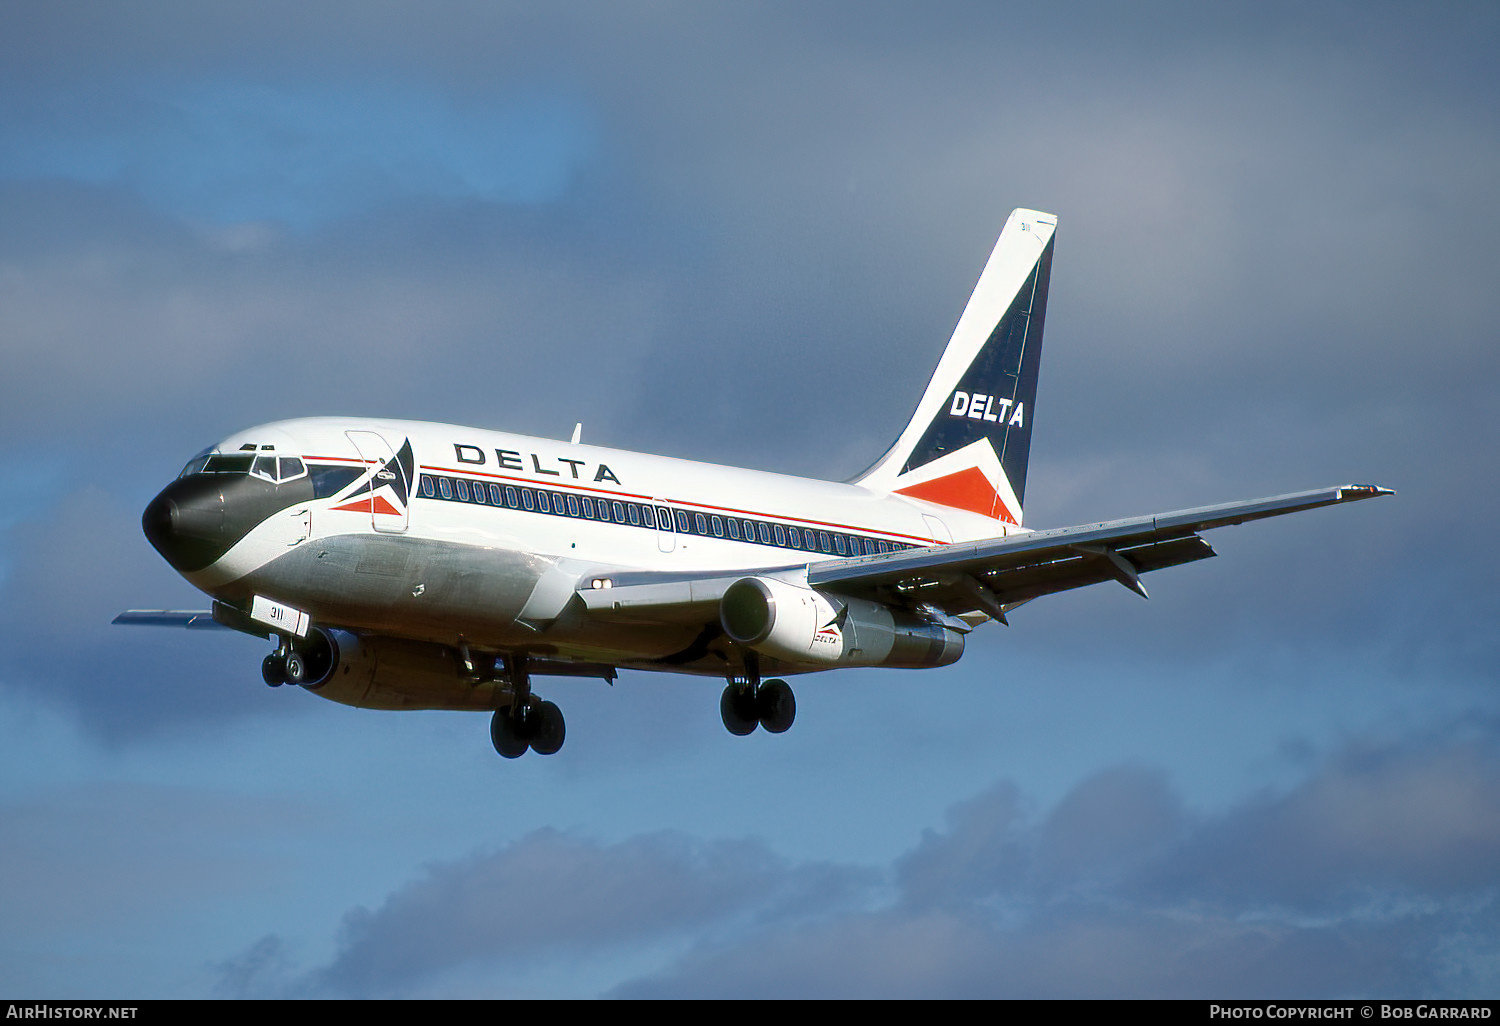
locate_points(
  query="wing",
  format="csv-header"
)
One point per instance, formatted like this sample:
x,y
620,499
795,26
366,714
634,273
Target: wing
x,y
989,576
996,574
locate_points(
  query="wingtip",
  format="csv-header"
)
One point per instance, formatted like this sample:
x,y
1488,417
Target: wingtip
x,y
1351,492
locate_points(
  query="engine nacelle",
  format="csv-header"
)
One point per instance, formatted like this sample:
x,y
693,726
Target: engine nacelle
x,y
389,673
802,625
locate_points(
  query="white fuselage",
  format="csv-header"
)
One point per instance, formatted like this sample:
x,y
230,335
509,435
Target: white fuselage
x,y
498,530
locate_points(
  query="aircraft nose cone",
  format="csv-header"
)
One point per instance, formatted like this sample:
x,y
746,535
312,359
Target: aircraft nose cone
x,y
185,523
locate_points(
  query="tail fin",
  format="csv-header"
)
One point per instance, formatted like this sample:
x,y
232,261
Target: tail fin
x,y
966,446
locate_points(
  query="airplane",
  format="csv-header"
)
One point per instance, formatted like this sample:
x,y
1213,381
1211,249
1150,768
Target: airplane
x,y
413,565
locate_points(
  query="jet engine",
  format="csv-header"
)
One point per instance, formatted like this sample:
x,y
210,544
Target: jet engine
x,y
376,672
803,625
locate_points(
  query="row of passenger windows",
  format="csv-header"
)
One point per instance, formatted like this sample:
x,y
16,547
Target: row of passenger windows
x,y
639,514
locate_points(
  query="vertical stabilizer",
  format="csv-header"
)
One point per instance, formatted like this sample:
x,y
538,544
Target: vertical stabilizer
x,y
967,445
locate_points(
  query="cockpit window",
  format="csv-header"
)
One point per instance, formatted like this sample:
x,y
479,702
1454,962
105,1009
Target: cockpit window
x,y
264,468
229,463
270,467
196,464
267,466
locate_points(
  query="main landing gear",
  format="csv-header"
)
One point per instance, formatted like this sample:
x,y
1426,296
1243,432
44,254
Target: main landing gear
x,y
749,702
527,722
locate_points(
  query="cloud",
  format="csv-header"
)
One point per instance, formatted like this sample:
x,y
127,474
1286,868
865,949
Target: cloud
x,y
1418,821
551,895
741,234
1372,875
1306,894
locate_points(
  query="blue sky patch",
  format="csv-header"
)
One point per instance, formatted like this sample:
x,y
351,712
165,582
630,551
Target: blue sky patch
x,y
304,155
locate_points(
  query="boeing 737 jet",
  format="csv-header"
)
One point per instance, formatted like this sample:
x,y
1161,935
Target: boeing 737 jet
x,y
412,565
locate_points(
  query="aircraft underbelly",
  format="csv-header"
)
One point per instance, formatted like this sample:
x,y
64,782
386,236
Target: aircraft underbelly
x,y
401,585
446,592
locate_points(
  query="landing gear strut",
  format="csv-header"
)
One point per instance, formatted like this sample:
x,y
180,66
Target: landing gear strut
x,y
527,722
273,666
748,702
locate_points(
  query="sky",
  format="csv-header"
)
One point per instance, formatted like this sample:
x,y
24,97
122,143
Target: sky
x,y
741,233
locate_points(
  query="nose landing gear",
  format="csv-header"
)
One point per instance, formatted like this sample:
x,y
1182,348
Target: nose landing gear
x,y
308,662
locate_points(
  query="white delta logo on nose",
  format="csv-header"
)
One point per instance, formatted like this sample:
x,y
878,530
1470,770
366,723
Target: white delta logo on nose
x,y
983,407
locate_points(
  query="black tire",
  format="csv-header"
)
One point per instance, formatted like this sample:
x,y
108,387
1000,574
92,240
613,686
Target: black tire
x,y
506,735
737,707
545,728
776,705
273,671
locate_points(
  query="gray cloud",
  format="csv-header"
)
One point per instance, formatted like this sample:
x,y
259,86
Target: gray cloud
x,y
1374,875
1118,892
550,893
1274,271
1419,819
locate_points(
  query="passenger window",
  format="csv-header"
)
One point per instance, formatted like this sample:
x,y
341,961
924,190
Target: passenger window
x,y
734,529
780,535
572,506
718,526
635,514
463,490
445,488
510,497
765,534
838,543
588,507
648,517
684,526
426,487
541,502
619,513
528,498
495,498
700,522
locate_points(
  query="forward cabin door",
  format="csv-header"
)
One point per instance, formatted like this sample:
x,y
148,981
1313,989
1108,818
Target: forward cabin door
x,y
390,490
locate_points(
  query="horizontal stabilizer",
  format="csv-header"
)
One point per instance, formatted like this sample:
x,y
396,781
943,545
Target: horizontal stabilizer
x,y
194,619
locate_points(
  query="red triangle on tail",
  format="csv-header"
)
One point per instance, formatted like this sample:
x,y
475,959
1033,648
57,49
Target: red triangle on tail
x,y
967,489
